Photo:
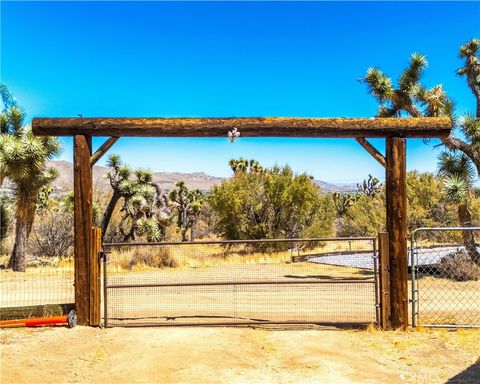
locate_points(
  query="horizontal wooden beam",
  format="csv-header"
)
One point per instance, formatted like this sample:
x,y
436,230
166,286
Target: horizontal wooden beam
x,y
102,150
371,150
422,127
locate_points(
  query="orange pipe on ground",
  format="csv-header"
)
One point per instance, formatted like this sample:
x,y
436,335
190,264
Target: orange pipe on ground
x,y
69,320
35,322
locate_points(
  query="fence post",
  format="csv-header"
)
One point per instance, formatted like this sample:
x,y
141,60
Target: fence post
x,y
83,222
384,267
95,277
396,207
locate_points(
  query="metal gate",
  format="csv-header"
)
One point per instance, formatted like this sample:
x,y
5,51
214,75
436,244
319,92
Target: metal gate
x,y
445,270
246,282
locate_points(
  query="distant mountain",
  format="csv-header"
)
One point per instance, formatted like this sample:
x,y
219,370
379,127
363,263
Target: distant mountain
x,y
328,187
166,180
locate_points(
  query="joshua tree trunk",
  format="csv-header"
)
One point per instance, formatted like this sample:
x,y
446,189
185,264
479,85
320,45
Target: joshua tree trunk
x,y
192,230
3,223
109,211
25,214
465,220
184,222
18,260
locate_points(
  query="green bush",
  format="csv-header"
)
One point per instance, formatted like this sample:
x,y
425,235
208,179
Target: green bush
x,y
274,203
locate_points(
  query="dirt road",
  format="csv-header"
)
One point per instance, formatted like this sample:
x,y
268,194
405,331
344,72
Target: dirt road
x,y
234,355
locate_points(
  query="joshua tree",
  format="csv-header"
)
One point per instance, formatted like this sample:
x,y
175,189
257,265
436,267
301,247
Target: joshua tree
x,y
343,201
187,203
471,69
4,220
244,165
470,125
370,187
412,98
145,209
23,159
458,173
118,175
394,101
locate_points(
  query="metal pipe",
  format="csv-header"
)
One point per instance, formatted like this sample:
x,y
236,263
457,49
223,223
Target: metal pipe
x,y
445,229
255,241
414,282
105,290
252,282
449,326
245,323
70,320
375,274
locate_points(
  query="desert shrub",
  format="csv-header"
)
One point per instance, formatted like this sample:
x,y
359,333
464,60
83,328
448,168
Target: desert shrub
x,y
426,201
158,257
275,203
459,267
364,218
52,235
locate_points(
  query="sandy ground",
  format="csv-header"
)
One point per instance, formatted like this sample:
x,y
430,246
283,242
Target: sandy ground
x,y
329,301
442,301
237,355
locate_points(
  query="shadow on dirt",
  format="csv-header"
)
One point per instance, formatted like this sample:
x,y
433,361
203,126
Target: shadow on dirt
x,y
469,375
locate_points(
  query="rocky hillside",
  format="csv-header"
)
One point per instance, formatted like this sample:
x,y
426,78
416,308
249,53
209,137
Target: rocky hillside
x,y
167,180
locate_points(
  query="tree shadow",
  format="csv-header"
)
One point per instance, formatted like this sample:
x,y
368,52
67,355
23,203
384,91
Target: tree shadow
x,y
329,277
469,375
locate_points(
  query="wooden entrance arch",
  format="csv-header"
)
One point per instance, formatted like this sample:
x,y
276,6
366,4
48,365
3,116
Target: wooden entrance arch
x,y
394,130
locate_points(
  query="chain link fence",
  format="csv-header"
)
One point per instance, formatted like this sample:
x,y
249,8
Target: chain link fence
x,y
320,281
445,266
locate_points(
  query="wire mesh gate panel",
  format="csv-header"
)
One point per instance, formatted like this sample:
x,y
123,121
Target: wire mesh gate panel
x,y
445,265
319,281
46,281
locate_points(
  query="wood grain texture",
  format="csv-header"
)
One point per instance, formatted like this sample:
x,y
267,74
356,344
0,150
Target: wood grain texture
x,y
103,149
384,270
248,127
371,150
94,277
83,222
396,205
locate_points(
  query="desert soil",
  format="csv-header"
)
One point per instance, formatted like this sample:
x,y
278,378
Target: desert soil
x,y
332,302
237,355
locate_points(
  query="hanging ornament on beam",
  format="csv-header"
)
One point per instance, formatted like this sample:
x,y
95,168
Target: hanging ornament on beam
x,y
233,134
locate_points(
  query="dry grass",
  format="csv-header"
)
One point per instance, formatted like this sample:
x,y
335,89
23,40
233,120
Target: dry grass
x,y
210,255
43,263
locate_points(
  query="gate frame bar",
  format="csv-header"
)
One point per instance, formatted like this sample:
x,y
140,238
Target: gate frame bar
x,y
375,282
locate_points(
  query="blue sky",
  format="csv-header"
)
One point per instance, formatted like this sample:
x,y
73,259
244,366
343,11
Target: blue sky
x,y
229,59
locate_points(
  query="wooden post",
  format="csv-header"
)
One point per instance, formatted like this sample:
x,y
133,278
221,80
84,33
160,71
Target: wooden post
x,y
94,273
396,202
384,270
83,222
